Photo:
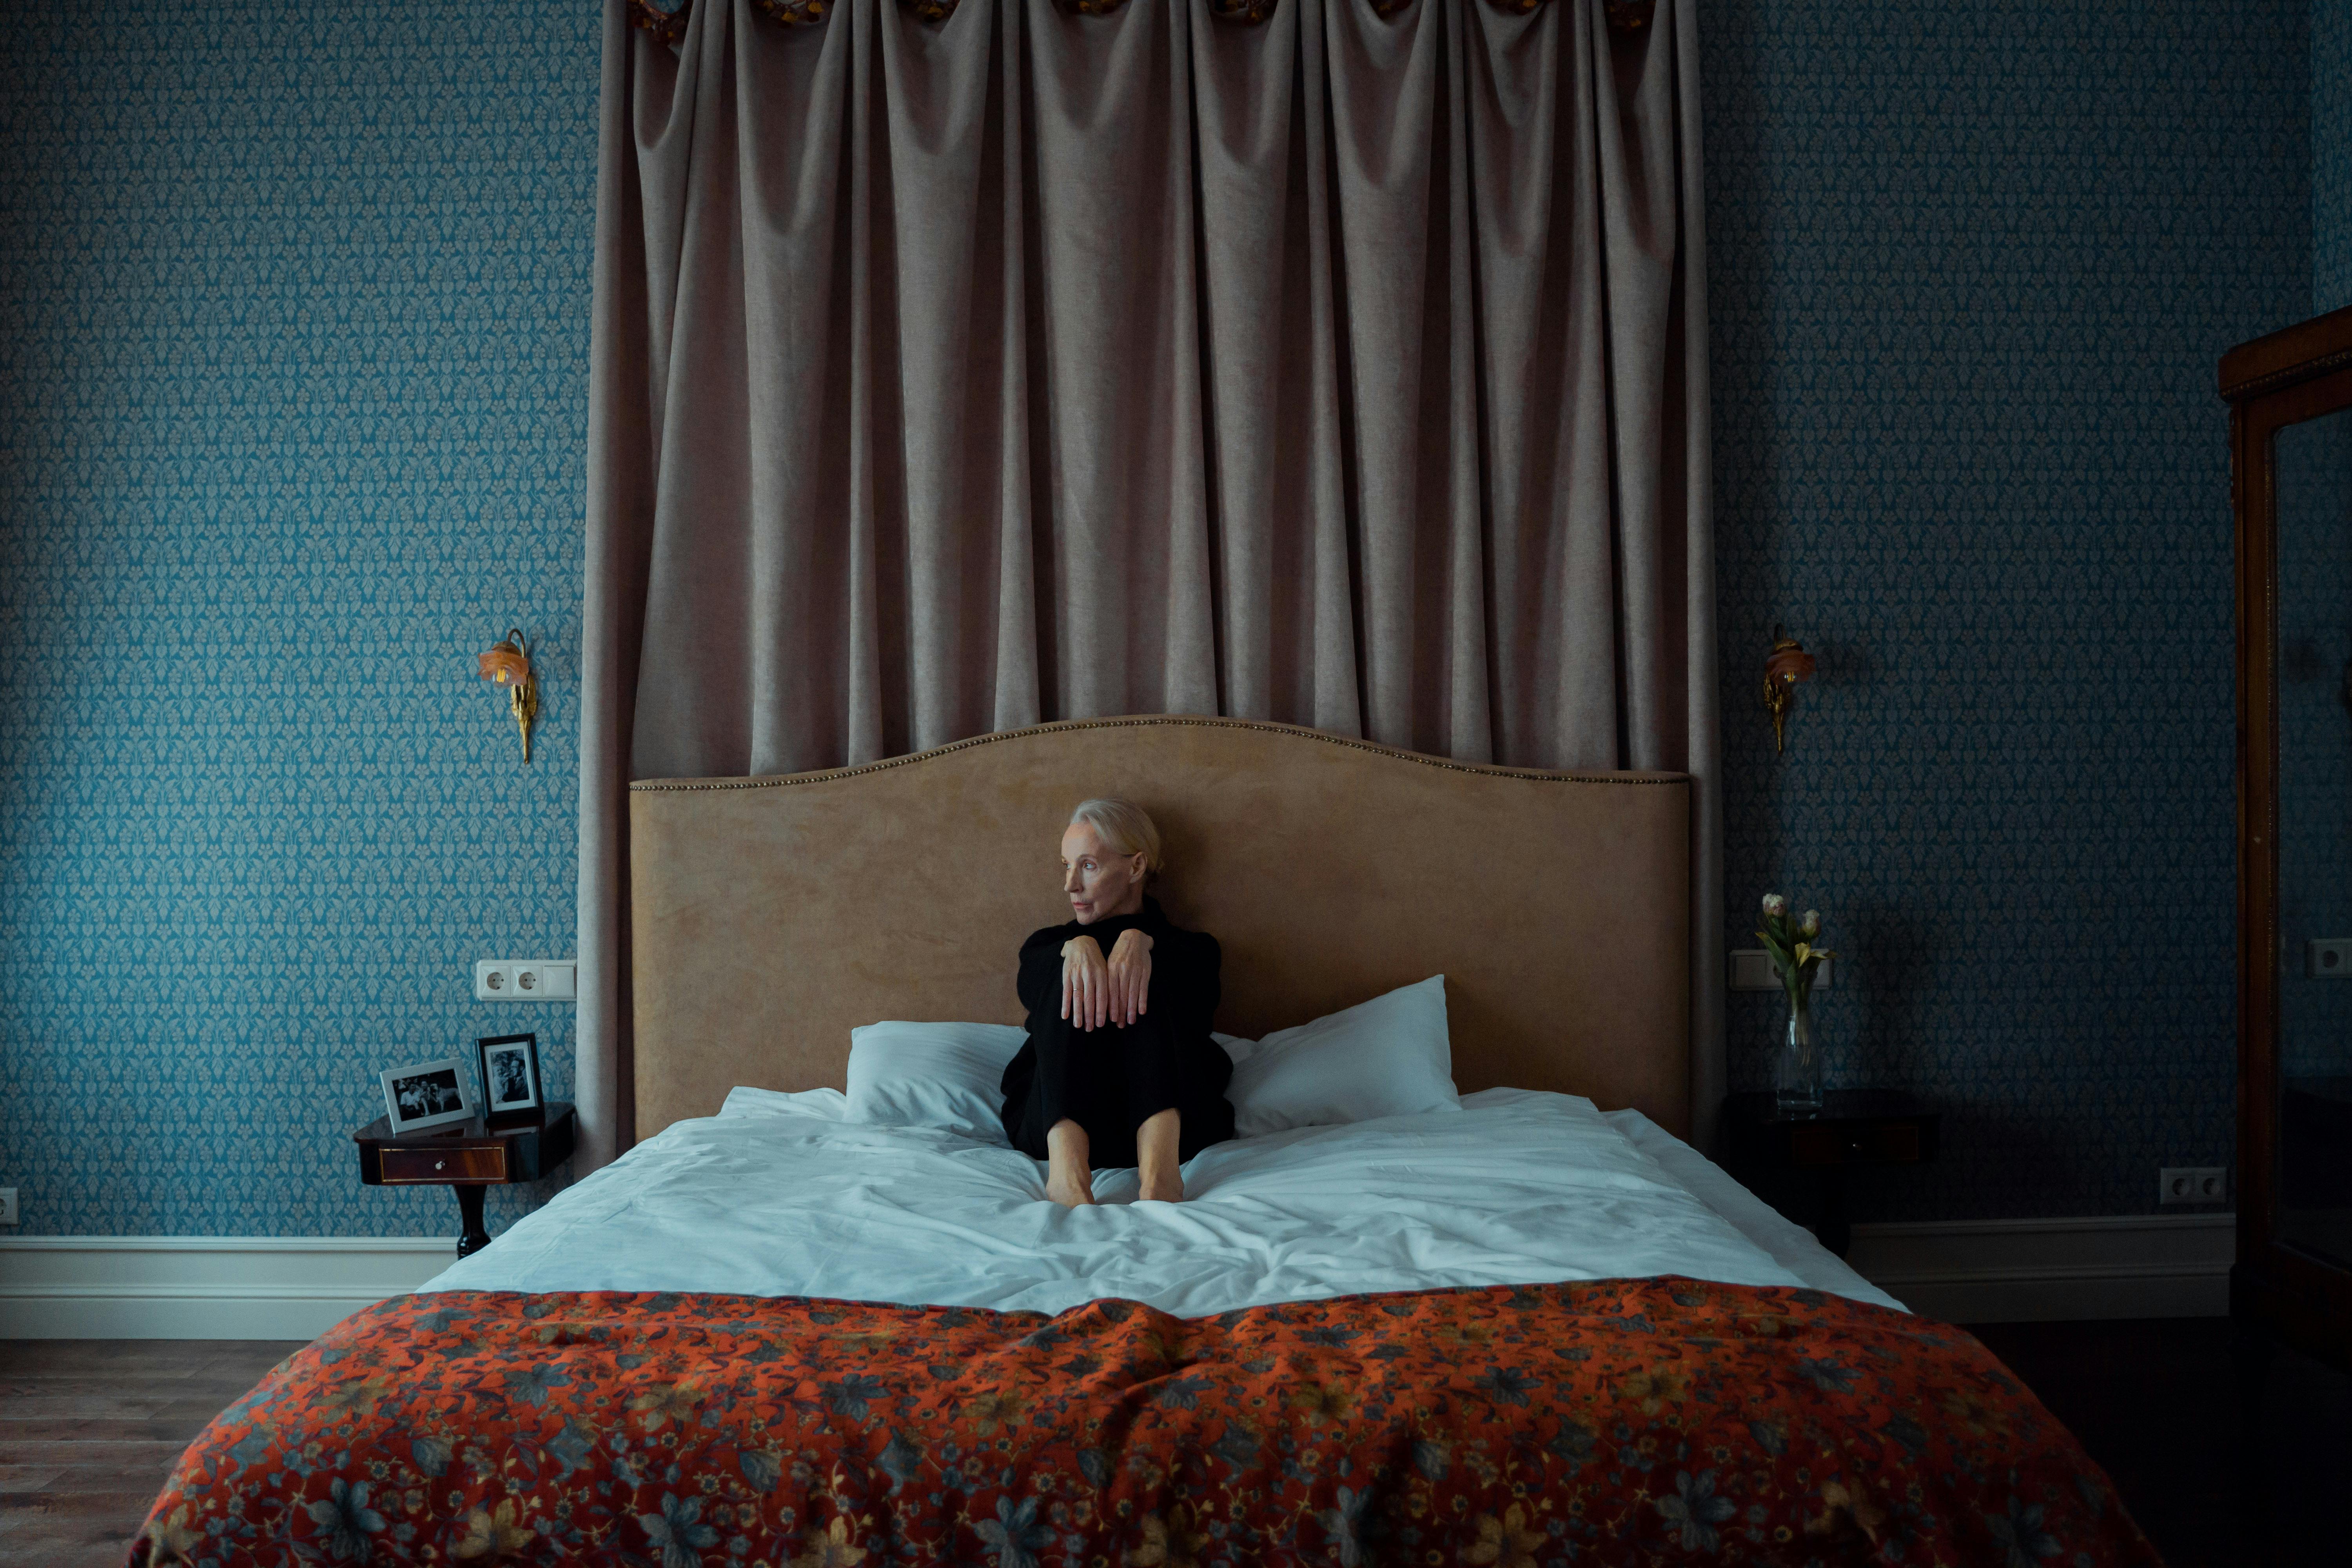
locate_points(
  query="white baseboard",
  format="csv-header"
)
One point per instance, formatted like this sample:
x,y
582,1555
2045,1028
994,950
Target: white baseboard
x,y
2037,1271
295,1287
202,1286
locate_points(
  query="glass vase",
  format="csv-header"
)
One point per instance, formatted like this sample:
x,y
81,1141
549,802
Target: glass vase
x,y
1796,1067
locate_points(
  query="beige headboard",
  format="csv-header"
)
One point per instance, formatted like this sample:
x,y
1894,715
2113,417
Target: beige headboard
x,y
772,915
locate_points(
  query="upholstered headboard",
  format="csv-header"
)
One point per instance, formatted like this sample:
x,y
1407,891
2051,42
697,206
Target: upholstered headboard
x,y
772,915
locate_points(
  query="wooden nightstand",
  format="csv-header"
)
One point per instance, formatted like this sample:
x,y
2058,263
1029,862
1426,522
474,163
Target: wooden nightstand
x,y
1854,1127
467,1156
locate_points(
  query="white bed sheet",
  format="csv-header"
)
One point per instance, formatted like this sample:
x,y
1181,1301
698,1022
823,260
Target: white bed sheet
x,y
1782,1239
783,1196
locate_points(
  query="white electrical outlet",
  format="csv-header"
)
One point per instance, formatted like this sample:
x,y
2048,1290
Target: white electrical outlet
x,y
525,980
8,1206
2328,958
2193,1184
1751,970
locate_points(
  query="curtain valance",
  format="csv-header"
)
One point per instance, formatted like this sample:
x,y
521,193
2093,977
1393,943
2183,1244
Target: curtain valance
x,y
666,19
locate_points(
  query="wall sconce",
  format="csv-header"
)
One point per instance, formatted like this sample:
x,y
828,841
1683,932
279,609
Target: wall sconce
x,y
1786,665
508,665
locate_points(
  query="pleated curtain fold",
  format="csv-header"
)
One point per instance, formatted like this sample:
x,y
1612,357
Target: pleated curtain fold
x,y
1343,370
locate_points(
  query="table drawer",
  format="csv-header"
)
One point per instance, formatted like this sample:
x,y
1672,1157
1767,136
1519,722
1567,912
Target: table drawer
x,y
1857,1144
414,1166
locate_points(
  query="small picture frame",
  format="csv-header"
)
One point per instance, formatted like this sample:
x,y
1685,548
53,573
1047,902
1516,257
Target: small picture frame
x,y
425,1094
509,1065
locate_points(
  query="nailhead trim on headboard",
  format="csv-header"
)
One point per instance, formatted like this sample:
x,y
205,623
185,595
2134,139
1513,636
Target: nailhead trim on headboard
x,y
1540,776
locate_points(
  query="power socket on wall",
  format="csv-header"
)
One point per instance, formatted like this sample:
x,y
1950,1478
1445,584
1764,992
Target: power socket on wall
x,y
2192,1184
525,980
8,1206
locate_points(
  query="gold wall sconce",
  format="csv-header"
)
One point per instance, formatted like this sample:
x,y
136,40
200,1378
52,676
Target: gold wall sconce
x,y
508,664
1786,665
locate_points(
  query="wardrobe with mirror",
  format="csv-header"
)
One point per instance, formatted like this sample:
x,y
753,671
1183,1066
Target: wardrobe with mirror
x,y
2290,397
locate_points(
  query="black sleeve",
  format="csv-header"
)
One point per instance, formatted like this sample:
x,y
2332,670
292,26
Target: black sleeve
x,y
1040,982
1190,987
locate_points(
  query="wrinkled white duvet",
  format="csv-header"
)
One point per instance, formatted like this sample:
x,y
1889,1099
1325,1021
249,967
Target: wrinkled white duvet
x,y
782,1195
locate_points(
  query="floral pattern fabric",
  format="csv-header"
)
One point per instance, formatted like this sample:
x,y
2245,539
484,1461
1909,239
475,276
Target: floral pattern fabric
x,y
1632,1421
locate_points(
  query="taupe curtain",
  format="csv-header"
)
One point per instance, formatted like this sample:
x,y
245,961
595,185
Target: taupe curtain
x,y
1346,370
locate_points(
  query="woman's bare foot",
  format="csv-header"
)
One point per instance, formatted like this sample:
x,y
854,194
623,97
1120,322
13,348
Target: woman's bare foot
x,y
1069,1180
1069,1190
1157,1142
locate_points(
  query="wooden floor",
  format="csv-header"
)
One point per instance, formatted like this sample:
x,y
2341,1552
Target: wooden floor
x,y
87,1429
2155,1403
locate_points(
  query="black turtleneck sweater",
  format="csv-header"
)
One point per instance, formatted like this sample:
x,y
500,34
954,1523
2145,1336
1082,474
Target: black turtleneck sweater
x,y
1166,1056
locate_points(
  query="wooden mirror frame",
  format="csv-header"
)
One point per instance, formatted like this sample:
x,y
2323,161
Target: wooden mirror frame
x,y
2275,1292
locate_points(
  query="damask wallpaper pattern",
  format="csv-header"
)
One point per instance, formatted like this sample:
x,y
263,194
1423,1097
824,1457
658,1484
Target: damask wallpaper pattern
x,y
1972,268
2331,155
293,366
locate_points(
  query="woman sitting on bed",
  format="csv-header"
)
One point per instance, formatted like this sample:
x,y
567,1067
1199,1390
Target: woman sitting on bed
x,y
1118,1068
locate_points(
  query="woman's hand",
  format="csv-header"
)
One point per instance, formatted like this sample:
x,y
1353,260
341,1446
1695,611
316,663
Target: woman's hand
x,y
1096,991
1085,983
1130,976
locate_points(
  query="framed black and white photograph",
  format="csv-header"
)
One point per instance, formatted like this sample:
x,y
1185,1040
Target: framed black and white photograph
x,y
428,1094
510,1073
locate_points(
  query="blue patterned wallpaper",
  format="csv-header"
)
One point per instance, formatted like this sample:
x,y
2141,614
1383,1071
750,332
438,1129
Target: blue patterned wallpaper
x,y
2331,155
294,364
1972,267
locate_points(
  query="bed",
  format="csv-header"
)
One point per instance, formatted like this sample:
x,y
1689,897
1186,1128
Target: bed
x,y
1530,1326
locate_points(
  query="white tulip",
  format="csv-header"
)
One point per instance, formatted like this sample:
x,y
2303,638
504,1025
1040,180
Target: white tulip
x,y
1813,926
1774,904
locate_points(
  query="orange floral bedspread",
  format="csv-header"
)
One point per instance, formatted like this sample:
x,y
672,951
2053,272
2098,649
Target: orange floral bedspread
x,y
1649,1421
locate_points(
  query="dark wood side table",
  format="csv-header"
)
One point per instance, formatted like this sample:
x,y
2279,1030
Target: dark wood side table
x,y
467,1156
1854,1127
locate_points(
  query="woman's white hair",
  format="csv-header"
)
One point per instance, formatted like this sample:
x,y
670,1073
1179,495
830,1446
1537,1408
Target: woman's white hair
x,y
1124,828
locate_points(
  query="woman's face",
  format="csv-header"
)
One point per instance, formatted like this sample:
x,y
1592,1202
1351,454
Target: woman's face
x,y
1100,884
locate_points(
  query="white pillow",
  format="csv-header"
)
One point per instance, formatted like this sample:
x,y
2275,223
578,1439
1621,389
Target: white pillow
x,y
1387,1057
948,1076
